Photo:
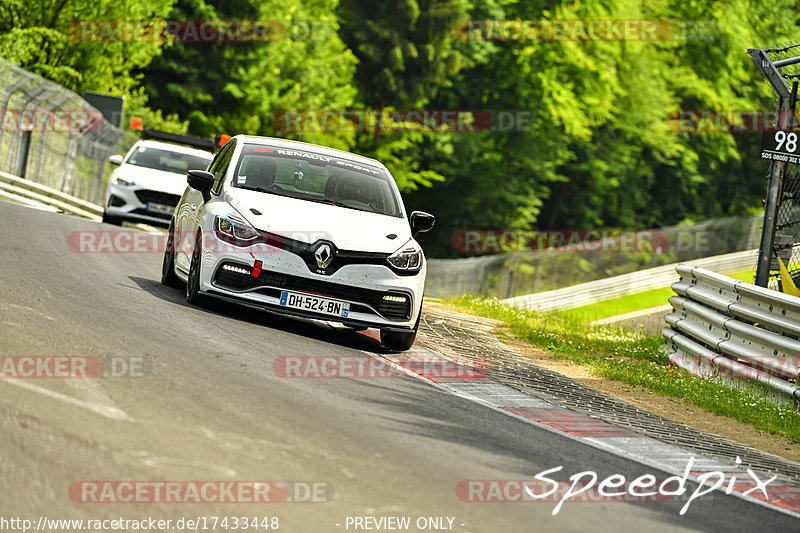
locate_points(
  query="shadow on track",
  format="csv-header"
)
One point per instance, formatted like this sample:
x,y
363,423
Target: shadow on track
x,y
314,329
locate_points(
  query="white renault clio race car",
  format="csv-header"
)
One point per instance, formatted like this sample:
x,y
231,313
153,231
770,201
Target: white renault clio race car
x,y
303,230
149,181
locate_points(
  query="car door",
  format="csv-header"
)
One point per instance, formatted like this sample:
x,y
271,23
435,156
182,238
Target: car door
x,y
191,215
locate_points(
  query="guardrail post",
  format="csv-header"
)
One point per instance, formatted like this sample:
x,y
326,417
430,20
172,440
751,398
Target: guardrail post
x,y
786,106
24,151
14,87
774,191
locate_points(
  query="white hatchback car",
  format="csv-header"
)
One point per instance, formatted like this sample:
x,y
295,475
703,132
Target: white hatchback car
x,y
303,230
149,181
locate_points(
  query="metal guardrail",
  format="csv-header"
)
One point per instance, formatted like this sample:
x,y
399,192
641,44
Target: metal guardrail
x,y
42,194
49,196
742,334
536,270
616,286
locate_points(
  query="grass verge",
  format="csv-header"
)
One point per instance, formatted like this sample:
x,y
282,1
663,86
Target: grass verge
x,y
634,302
635,359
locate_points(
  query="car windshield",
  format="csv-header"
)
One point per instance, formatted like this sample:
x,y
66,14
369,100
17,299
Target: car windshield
x,y
167,160
317,178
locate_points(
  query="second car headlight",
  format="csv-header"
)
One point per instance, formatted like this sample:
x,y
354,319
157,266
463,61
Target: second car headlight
x,y
232,230
407,258
125,182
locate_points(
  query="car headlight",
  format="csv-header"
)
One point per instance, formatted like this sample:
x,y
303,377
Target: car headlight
x,y
407,258
119,180
233,229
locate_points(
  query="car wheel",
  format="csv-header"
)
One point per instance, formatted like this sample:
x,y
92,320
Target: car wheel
x,y
111,219
193,295
400,340
168,276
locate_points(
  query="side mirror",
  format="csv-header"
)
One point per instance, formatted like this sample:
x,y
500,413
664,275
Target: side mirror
x,y
115,159
202,181
421,222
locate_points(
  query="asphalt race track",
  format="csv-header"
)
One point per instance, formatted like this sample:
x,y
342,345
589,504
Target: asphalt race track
x,y
209,407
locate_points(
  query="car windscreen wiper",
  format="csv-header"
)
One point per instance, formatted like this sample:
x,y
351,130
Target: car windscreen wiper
x,y
331,202
259,189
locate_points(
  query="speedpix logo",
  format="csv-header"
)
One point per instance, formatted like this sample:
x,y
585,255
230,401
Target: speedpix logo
x,y
588,487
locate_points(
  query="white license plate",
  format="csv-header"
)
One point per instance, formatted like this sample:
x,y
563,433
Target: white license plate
x,y
160,208
307,302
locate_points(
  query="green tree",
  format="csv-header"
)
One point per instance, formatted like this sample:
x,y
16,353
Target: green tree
x,y
406,56
241,87
45,37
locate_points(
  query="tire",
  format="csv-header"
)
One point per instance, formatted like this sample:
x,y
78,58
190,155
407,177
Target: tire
x,y
111,219
400,340
193,295
168,276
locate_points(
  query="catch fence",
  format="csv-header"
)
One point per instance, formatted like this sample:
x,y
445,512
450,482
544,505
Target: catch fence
x,y
52,136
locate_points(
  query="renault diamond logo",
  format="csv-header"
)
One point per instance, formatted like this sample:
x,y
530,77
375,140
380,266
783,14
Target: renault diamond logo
x,y
324,256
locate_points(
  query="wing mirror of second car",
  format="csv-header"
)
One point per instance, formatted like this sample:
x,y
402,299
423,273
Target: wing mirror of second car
x,y
115,159
202,181
421,222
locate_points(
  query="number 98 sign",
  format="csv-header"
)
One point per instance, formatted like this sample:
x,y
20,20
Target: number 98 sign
x,y
780,145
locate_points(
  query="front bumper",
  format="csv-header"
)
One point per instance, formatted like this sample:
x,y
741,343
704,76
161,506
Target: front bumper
x,y
377,296
132,203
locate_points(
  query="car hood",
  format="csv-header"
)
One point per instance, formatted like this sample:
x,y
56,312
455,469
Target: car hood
x,y
302,220
155,180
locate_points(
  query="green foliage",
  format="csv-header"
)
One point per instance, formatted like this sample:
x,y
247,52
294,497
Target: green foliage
x,y
238,87
45,37
637,360
405,48
599,151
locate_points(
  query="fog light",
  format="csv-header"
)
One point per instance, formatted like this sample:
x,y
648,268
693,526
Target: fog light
x,y
390,298
116,201
238,270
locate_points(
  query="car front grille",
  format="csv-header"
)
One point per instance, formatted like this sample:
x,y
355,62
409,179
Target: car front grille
x,y
146,196
392,310
145,212
306,252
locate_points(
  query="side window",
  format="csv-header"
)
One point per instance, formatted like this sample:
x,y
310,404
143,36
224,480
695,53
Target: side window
x,y
220,165
217,158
